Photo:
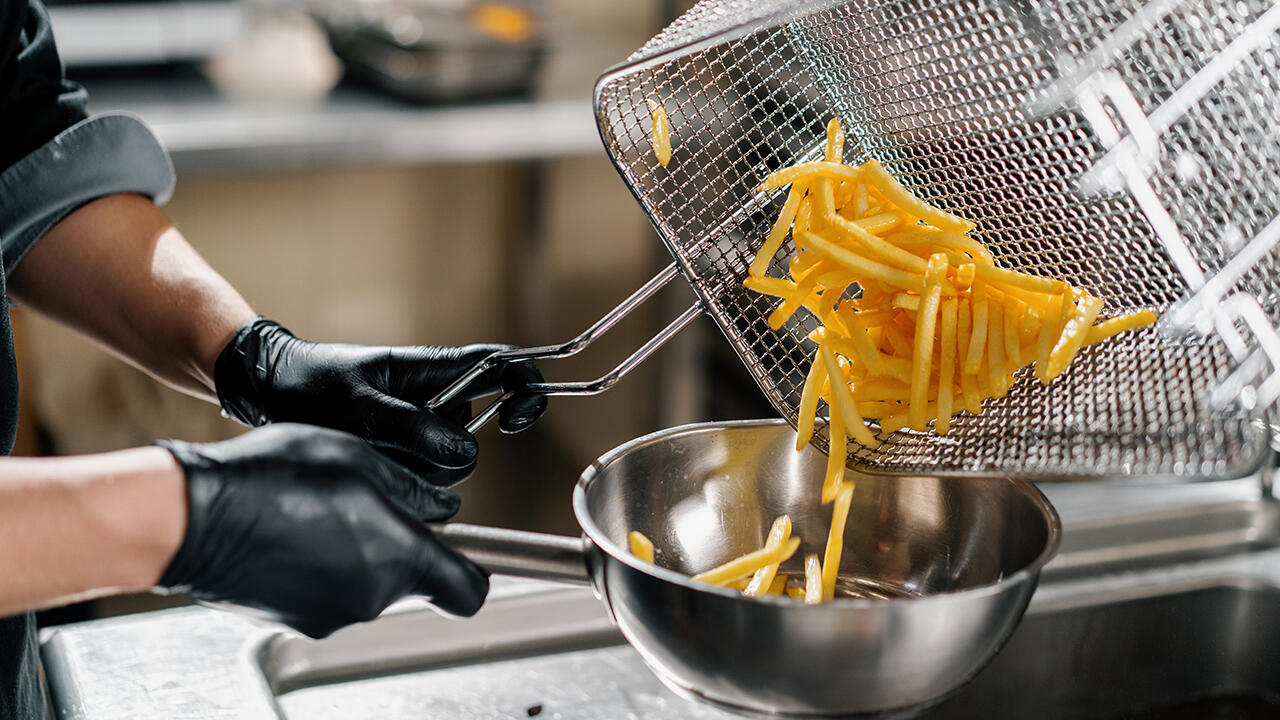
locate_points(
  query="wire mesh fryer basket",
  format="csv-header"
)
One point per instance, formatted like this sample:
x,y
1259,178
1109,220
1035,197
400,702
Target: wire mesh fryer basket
x,y
942,93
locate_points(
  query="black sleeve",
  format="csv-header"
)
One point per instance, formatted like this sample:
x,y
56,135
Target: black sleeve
x,y
36,101
53,158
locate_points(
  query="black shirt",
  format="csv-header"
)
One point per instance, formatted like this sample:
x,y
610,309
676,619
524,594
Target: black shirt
x,y
53,159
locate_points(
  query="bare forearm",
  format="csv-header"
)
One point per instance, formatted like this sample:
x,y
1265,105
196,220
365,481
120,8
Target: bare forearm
x,y
78,527
118,271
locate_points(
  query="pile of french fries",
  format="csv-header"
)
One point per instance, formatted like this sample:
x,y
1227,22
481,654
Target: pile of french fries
x,y
916,323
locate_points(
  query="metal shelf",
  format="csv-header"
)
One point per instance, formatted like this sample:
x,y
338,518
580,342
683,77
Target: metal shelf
x,y
207,133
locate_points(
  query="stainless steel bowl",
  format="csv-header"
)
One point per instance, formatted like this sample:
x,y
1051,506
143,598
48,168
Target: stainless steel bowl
x,y
936,572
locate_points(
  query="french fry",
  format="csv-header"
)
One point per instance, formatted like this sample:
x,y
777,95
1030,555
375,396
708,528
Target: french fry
x,y
946,366
861,266
744,565
1009,278
879,222
836,457
888,186
878,248
968,384
809,401
641,546
926,322
843,401
660,134
978,336
835,142
806,171
778,233
835,540
1049,333
777,586
1073,334
1114,326
762,579
812,579
995,349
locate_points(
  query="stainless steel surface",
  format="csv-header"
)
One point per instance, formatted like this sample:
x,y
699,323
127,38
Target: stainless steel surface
x,y
573,347
1115,628
940,92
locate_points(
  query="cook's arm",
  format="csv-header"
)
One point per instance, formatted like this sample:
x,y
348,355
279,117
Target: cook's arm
x,y
118,271
309,526
79,527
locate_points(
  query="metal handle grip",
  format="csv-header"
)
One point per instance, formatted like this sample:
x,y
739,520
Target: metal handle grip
x,y
573,347
519,553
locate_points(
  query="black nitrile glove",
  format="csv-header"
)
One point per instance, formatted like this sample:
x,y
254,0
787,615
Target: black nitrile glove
x,y
316,529
379,393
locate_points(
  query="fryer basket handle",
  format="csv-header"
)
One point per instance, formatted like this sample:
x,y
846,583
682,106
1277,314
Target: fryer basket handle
x,y
573,347
519,553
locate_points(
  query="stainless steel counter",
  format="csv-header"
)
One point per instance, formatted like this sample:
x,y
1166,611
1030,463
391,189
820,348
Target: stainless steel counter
x,y
1159,594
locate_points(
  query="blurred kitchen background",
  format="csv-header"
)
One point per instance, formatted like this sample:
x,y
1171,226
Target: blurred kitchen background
x,y
405,171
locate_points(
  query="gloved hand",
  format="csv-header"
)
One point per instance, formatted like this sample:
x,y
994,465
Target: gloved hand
x,y
265,374
314,528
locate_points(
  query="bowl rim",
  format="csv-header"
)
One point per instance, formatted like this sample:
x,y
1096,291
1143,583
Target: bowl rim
x,y
596,536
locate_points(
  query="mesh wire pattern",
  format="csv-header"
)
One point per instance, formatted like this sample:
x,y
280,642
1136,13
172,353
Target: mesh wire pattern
x,y
939,92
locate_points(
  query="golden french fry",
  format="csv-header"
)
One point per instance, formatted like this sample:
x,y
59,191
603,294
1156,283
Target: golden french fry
x,y
641,546
859,200
878,248
660,134
862,266
1012,336
835,141
1009,278
745,565
900,196
809,401
777,586
843,399
917,239
978,335
812,580
824,205
906,301
995,349
946,366
835,171
1050,331
879,223
835,540
763,578
1110,328
968,385
778,234
926,325
1073,334
837,454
